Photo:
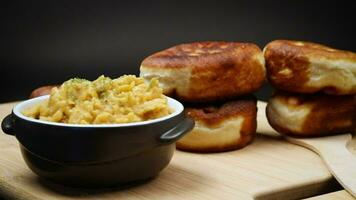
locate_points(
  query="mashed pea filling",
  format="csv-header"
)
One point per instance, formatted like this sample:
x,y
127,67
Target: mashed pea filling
x,y
103,101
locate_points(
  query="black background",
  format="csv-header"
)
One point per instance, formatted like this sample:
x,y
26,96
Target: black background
x,y
47,42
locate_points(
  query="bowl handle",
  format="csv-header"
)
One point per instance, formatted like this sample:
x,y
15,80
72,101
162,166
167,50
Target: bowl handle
x,y
7,125
178,131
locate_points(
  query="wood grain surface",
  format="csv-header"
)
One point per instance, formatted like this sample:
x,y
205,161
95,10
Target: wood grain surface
x,y
337,151
338,195
269,168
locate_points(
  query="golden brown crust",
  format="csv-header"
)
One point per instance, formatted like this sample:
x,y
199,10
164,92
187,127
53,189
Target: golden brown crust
x,y
214,113
220,115
41,91
297,66
323,114
216,70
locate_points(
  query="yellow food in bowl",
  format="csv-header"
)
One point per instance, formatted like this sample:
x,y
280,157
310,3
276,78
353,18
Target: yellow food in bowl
x,y
103,101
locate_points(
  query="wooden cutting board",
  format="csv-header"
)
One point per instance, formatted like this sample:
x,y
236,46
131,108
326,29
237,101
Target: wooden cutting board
x,y
342,194
269,168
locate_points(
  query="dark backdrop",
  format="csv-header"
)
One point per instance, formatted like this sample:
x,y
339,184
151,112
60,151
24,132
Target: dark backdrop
x,y
47,42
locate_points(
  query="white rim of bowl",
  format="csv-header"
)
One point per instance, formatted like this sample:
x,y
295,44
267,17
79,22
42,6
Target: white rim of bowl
x,y
174,104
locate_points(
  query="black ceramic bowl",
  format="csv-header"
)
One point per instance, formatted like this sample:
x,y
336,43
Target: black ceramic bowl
x,y
97,155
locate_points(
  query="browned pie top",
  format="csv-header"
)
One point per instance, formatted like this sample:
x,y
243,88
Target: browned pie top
x,y
200,54
302,48
288,63
317,100
213,114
